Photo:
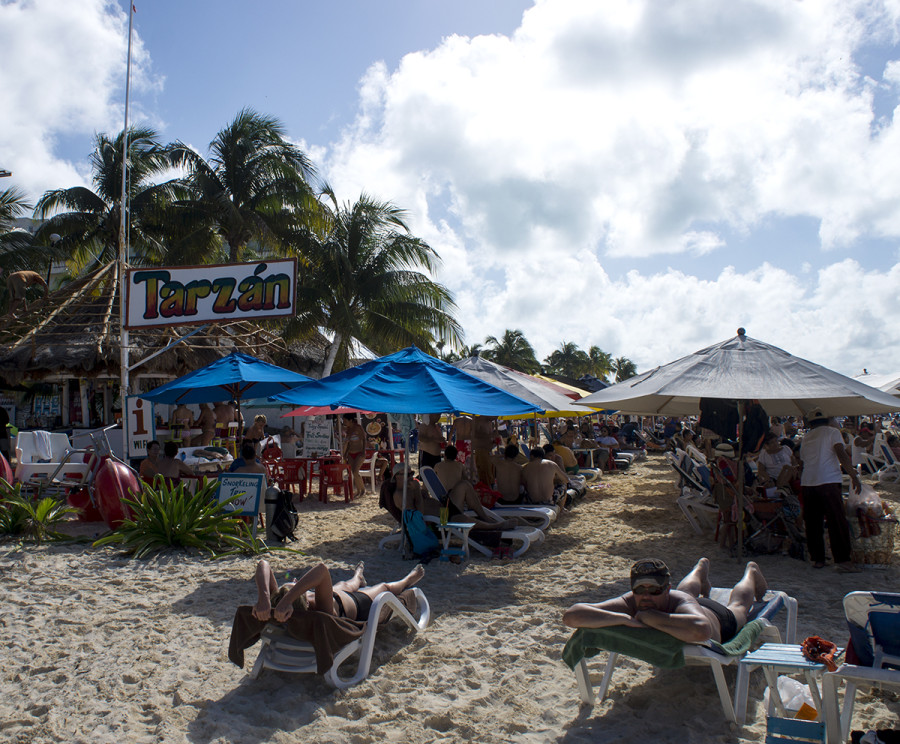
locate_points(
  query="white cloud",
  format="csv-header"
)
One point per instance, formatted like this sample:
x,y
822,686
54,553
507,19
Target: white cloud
x,y
63,74
632,129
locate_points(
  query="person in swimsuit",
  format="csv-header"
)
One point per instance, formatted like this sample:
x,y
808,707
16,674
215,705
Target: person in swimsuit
x,y
686,612
355,452
315,591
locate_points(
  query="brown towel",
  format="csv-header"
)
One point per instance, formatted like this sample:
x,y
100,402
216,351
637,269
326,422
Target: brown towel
x,y
327,633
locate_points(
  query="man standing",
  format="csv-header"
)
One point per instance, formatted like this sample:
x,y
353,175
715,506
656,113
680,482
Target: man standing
x,y
822,453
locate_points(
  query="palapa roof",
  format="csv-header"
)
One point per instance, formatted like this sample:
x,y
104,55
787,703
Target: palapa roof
x,y
76,333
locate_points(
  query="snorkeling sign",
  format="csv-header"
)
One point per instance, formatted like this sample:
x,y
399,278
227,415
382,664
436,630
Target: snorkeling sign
x,y
191,295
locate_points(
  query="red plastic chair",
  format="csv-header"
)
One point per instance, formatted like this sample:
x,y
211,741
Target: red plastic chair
x,y
336,477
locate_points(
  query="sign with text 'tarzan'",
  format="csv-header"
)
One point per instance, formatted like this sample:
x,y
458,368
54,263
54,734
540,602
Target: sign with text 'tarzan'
x,y
191,295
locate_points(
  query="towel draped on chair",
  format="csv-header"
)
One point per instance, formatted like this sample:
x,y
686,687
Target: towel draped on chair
x,y
327,633
650,645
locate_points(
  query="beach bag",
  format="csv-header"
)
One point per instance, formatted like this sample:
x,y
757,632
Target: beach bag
x,y
422,539
286,519
487,495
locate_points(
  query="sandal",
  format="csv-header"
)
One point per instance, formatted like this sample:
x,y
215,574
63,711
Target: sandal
x,y
819,564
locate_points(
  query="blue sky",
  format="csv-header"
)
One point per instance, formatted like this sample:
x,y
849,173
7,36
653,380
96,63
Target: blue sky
x,y
638,175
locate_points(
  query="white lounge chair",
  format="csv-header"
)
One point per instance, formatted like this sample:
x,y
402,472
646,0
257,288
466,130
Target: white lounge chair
x,y
284,653
890,471
696,501
874,621
704,655
525,536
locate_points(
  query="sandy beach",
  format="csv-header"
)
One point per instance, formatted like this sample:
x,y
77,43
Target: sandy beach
x,y
102,648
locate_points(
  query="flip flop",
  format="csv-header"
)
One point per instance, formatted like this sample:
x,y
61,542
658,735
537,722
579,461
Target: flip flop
x,y
818,564
848,568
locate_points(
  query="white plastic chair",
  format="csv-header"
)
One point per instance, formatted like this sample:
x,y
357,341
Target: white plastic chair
x,y
284,653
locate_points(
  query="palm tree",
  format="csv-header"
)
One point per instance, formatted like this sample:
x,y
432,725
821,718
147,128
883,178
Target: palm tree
x,y
362,281
88,221
567,360
253,189
601,363
624,368
512,350
13,205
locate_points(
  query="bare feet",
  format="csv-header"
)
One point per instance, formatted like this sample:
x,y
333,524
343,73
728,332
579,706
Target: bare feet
x,y
705,586
413,577
358,573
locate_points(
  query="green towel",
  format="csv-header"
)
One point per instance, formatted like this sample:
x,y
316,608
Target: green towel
x,y
651,645
647,644
742,642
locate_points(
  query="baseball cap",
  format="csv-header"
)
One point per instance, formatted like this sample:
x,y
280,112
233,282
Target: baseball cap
x,y
651,572
816,414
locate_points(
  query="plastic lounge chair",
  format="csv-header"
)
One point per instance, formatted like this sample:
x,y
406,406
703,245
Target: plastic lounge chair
x,y
891,468
874,622
523,535
284,653
704,655
696,501
64,468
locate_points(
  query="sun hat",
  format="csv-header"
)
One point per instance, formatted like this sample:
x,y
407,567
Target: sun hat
x,y
650,572
724,450
398,468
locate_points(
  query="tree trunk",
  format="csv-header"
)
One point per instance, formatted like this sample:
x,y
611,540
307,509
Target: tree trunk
x,y
332,354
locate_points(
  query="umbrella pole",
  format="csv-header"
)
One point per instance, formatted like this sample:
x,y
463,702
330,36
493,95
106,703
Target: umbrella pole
x,y
740,484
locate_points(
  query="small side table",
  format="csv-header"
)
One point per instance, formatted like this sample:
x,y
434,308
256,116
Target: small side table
x,y
459,530
774,658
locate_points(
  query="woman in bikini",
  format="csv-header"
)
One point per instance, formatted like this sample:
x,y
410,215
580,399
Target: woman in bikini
x,y
315,591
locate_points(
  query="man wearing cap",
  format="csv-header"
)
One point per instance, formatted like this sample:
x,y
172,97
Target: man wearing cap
x,y
686,613
823,454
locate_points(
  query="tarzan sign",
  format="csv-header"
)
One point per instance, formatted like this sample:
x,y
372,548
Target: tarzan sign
x,y
168,296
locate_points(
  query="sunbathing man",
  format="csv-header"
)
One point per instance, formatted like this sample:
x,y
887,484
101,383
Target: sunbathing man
x,y
461,492
315,591
509,476
686,612
544,481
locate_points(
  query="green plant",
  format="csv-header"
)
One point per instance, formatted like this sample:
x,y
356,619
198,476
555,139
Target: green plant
x,y
33,520
169,516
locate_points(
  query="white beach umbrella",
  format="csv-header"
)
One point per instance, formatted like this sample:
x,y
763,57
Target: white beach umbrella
x,y
743,368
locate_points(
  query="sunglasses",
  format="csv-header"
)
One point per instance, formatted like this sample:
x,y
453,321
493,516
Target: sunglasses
x,y
653,591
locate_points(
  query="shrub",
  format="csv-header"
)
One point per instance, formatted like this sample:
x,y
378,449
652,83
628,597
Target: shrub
x,y
165,516
33,520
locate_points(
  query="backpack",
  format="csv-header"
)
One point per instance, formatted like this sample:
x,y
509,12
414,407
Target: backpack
x,y
285,519
423,539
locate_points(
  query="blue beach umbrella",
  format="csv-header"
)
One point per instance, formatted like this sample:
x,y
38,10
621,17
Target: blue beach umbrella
x,y
408,381
235,377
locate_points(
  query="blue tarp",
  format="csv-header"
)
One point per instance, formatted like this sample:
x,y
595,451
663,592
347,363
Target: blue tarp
x,y
409,381
236,376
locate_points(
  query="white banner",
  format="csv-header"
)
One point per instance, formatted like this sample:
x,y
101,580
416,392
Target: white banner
x,y
248,486
190,295
140,426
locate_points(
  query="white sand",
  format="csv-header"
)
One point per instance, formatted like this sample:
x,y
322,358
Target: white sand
x,y
101,648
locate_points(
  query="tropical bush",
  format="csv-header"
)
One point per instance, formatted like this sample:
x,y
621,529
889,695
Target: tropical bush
x,y
31,519
166,516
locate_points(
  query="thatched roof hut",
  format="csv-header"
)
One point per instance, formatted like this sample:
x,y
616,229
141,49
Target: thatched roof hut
x,y
76,334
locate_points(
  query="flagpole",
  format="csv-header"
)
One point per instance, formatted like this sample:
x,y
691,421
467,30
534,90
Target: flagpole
x,y
123,231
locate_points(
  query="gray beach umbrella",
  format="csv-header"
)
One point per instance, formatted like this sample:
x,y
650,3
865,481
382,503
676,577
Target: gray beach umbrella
x,y
743,368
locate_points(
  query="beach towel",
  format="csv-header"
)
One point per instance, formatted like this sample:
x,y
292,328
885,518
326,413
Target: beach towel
x,y
42,449
328,634
646,644
651,645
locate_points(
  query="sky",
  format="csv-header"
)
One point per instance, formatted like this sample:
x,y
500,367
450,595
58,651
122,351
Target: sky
x,y
645,176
